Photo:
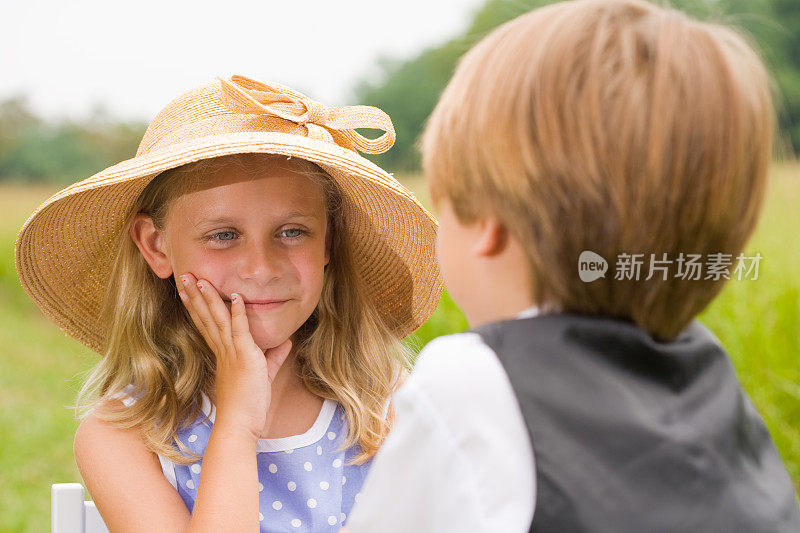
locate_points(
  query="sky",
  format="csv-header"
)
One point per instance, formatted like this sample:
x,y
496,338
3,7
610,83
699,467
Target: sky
x,y
132,58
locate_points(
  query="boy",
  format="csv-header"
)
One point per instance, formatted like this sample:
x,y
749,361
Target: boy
x,y
607,128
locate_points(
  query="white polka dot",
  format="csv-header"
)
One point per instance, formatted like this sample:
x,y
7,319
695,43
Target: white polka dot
x,y
342,517
196,468
324,485
331,435
277,505
308,466
358,497
319,450
332,520
291,485
296,522
337,463
289,451
260,517
311,503
190,484
344,480
273,468
192,438
260,487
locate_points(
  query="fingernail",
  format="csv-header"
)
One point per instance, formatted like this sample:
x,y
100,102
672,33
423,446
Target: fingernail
x,y
182,294
200,286
185,280
234,298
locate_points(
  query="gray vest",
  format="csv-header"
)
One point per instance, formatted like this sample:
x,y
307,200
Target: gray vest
x,y
634,435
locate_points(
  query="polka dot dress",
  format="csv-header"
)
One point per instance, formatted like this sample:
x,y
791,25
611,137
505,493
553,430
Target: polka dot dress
x,y
305,483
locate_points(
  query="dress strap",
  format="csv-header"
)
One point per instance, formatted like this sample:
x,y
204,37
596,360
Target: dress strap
x,y
127,395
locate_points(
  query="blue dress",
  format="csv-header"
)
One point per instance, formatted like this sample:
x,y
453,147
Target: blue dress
x,y
305,481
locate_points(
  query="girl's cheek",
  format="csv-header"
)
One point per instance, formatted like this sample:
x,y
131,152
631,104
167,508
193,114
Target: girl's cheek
x,y
205,265
307,272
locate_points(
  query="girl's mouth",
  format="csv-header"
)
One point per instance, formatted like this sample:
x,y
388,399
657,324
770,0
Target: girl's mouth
x,y
264,304
261,305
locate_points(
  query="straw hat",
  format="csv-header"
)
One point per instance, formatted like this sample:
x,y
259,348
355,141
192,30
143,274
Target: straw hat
x,y
65,249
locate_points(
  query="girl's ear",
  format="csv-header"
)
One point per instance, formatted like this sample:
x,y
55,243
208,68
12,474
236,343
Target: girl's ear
x,y
150,241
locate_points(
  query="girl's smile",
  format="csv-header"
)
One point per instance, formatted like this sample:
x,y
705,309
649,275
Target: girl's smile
x,y
260,305
264,304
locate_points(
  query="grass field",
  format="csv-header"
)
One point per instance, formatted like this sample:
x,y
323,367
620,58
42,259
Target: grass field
x,y
41,368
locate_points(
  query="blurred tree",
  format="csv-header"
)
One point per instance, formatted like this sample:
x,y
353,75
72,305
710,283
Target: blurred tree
x,y
16,120
786,66
61,151
408,90
65,151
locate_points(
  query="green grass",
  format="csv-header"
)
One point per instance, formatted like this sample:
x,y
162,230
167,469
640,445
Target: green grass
x,y
38,369
41,368
759,321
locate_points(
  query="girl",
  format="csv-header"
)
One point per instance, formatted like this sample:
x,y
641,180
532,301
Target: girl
x,y
246,277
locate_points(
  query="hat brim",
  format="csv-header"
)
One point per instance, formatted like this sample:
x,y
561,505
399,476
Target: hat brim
x,y
65,249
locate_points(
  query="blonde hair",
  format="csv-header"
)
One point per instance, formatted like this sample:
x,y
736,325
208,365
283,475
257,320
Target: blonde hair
x,y
344,351
613,126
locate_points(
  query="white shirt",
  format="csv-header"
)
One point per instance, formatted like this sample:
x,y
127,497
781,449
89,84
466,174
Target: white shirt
x,y
459,457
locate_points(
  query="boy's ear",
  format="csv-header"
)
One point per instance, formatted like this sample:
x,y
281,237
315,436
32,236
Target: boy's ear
x,y
492,237
150,242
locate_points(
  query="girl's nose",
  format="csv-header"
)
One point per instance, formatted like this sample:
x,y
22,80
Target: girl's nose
x,y
259,263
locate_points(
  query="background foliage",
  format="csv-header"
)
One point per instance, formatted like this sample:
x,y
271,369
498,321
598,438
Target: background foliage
x,y
409,89
33,150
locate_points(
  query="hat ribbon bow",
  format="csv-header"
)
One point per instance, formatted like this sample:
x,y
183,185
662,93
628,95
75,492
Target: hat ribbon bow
x,y
331,124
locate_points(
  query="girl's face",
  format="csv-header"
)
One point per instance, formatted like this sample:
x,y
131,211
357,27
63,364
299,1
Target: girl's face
x,y
261,237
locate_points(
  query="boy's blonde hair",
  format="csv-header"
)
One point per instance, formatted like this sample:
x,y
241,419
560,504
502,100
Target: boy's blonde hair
x,y
345,352
613,126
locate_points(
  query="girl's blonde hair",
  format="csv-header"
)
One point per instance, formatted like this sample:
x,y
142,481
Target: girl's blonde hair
x,y
345,352
613,126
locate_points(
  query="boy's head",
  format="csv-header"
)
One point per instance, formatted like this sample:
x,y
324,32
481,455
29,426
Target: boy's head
x,y
613,126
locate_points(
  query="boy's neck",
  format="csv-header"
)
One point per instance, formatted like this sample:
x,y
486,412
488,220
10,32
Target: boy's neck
x,y
500,309
502,288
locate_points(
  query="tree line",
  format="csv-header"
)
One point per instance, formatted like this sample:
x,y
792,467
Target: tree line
x,y
64,151
409,89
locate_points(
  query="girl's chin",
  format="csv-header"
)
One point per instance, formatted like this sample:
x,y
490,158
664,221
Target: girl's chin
x,y
269,342
268,337
270,333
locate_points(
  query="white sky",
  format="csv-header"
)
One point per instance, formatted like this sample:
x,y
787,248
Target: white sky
x,y
135,56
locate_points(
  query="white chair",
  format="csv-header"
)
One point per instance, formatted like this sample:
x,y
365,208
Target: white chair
x,y
70,513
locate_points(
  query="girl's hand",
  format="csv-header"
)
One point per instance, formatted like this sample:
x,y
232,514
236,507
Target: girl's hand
x,y
244,372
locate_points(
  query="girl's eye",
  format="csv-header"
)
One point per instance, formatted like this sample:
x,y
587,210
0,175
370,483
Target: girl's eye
x,y
292,233
224,236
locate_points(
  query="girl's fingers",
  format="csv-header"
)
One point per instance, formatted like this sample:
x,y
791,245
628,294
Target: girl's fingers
x,y
240,328
203,314
219,314
187,302
196,319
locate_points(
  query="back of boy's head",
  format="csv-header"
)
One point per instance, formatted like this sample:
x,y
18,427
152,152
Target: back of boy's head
x,y
613,126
